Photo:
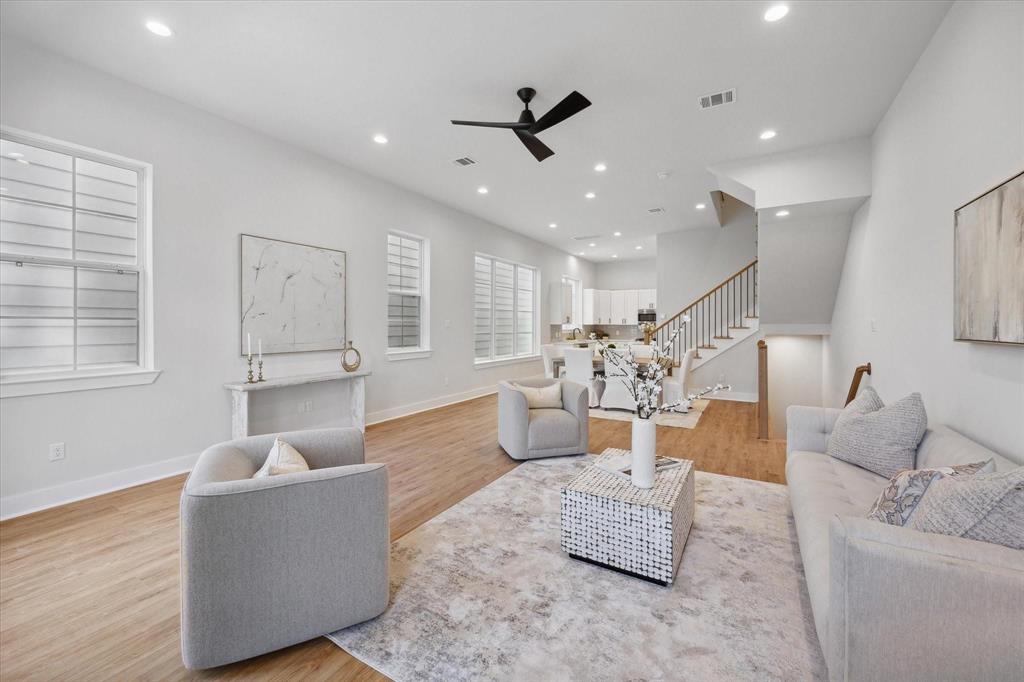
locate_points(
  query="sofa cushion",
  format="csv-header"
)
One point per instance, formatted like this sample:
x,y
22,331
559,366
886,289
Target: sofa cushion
x,y
552,429
821,487
882,440
944,447
985,507
900,497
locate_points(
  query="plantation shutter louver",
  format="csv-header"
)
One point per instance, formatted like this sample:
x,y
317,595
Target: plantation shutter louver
x,y
405,291
504,309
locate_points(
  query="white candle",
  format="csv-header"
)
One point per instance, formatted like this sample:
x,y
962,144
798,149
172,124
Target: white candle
x,y
259,345
248,339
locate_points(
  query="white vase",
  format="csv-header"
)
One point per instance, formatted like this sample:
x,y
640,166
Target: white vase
x,y
644,434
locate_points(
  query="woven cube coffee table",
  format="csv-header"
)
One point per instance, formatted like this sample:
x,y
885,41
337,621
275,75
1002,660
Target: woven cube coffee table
x,y
609,522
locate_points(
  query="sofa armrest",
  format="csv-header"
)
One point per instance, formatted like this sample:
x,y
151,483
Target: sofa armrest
x,y
269,562
910,605
808,428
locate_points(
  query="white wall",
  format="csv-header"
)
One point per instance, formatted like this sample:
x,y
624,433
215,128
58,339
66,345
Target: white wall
x,y
691,262
799,266
628,274
955,130
794,376
214,179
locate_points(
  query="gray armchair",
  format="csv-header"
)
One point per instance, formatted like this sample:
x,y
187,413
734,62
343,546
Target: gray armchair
x,y
270,562
528,434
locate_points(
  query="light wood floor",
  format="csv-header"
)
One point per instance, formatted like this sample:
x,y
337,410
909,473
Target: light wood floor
x,y
89,591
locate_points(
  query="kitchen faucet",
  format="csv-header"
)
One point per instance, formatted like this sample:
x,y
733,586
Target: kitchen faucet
x,y
574,330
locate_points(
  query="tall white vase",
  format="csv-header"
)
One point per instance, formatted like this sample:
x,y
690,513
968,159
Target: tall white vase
x,y
644,434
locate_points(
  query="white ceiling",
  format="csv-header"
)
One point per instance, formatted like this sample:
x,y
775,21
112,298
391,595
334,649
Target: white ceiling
x,y
327,76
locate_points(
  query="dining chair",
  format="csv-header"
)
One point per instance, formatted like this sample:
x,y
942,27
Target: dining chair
x,y
579,368
617,395
674,388
548,353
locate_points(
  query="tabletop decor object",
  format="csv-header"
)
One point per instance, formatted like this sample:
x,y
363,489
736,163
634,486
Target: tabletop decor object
x,y
644,383
351,358
607,521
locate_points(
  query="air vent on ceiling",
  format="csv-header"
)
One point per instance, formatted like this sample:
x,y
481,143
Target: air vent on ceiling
x,y
717,99
464,161
586,237
656,209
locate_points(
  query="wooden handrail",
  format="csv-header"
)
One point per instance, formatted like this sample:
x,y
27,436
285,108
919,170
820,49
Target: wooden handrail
x,y
709,293
762,389
855,384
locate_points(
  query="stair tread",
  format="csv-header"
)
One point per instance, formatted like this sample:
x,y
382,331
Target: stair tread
x,y
707,347
725,337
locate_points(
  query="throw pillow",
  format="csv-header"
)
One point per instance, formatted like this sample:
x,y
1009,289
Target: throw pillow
x,y
543,397
899,499
986,507
283,459
879,438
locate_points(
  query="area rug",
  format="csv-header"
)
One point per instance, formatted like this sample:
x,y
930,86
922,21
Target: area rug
x,y
677,420
483,592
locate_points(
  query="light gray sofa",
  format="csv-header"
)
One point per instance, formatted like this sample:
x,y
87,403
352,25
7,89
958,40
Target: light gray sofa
x,y
270,562
528,434
890,602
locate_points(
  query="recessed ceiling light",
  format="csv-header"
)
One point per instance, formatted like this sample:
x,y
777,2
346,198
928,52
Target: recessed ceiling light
x,y
617,234
768,134
700,207
590,195
781,214
380,139
581,253
15,155
481,190
639,248
615,255
600,168
591,244
159,28
776,12
24,161
552,225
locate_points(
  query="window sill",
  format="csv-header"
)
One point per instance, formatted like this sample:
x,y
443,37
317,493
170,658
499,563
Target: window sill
x,y
412,354
485,364
41,384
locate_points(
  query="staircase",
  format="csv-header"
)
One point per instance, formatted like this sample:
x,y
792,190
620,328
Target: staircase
x,y
719,319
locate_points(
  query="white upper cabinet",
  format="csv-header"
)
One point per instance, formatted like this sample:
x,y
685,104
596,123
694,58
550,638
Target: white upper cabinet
x,y
615,307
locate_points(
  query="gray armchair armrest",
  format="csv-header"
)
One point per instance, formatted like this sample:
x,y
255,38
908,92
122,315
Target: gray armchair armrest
x,y
808,428
576,399
513,420
910,605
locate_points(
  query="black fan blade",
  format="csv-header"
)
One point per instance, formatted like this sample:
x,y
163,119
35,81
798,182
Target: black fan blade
x,y
485,124
573,104
539,150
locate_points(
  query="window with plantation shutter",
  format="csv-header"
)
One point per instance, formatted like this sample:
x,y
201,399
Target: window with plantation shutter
x,y
72,262
504,310
408,321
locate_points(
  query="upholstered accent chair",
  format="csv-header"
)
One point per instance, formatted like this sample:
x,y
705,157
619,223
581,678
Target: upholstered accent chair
x,y
270,562
675,388
526,433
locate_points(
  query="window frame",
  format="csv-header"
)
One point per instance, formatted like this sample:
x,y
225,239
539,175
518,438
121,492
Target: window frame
x,y
423,350
534,352
145,372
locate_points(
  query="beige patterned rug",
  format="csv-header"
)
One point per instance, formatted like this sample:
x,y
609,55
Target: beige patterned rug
x,y
673,419
484,592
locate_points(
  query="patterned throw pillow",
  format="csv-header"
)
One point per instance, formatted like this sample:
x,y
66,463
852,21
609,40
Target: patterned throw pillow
x,y
879,438
985,507
899,499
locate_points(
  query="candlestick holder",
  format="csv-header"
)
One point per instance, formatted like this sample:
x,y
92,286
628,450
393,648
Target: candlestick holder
x,y
260,378
250,379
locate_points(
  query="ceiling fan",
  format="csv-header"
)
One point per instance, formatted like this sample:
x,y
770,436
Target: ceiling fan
x,y
527,127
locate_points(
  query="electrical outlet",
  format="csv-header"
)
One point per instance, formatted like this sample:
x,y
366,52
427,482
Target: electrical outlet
x,y
874,325
309,406
57,452
447,323
446,381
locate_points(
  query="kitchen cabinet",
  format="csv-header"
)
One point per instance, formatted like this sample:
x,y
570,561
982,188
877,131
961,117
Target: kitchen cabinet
x,y
602,306
615,307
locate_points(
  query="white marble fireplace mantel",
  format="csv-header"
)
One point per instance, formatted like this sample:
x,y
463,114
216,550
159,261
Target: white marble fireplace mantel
x,y
241,390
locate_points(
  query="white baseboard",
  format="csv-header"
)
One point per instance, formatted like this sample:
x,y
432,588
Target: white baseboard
x,y
738,396
44,498
424,405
